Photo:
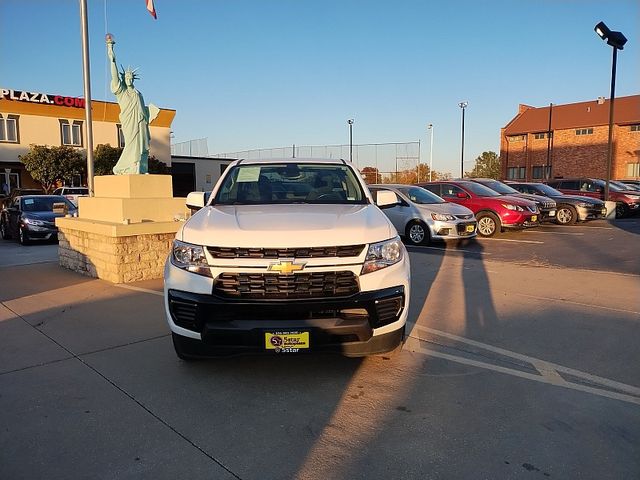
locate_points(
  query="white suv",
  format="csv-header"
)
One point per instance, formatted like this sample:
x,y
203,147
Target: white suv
x,y
72,193
287,256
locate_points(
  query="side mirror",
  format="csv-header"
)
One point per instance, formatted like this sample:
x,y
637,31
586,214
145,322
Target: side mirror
x,y
461,195
196,200
386,199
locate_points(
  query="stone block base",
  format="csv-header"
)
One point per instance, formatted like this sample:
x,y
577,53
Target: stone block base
x,y
117,259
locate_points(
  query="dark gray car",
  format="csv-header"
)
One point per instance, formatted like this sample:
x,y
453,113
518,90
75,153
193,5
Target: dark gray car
x,y
571,208
32,217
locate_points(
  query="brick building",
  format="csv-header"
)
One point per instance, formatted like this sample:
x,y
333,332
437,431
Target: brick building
x,y
577,145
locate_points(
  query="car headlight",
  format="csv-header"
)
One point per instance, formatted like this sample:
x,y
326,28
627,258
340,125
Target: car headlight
x,y
633,197
31,221
190,257
442,217
382,255
509,206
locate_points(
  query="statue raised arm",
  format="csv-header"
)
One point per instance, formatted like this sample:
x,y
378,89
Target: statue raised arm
x,y
134,118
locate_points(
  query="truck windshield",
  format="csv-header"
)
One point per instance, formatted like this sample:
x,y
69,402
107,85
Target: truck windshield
x,y
288,183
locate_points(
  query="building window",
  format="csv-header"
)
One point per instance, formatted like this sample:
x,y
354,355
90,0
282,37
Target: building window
x,y
635,128
515,173
71,133
516,138
542,136
633,169
584,131
9,128
120,136
538,172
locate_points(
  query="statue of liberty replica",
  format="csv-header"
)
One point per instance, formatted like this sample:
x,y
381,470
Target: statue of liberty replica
x,y
134,118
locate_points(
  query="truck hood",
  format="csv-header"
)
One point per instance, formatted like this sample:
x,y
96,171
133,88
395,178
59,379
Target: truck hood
x,y
277,226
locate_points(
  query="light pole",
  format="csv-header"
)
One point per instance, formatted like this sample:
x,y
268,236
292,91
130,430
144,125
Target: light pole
x,y
430,127
84,31
350,122
617,41
463,106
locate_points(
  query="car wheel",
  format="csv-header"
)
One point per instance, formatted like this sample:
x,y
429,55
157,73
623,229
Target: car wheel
x,y
23,237
566,215
621,210
488,224
4,231
183,347
417,233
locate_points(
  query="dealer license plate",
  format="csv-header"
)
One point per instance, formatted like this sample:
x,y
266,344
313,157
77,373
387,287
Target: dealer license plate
x,y
534,218
286,341
471,228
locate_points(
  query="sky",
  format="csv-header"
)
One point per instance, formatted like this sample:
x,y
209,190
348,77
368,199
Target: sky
x,y
250,74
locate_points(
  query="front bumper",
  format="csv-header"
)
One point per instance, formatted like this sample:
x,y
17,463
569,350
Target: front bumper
x,y
346,325
547,214
520,220
592,212
40,232
443,230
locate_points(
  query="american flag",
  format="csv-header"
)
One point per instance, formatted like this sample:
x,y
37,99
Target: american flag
x,y
151,8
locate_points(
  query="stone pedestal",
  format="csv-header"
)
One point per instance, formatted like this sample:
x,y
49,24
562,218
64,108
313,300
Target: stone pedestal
x,y
123,233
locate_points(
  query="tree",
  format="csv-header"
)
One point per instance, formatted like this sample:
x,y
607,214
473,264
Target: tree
x,y
370,174
105,158
52,165
487,166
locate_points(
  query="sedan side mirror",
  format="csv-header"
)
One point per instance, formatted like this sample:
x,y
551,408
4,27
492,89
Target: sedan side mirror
x,y
386,199
461,195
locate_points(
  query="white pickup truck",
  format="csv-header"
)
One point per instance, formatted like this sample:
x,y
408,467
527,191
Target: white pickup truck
x,y
287,256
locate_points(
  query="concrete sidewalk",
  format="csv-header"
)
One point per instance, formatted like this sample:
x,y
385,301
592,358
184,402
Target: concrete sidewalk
x,y
90,386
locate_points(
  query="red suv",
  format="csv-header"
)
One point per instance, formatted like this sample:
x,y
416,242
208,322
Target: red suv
x,y
627,201
493,211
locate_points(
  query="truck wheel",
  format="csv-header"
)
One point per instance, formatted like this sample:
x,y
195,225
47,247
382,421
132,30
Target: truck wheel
x,y
621,210
417,233
182,347
488,224
566,215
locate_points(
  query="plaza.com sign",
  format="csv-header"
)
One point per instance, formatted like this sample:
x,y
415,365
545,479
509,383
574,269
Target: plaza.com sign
x,y
43,98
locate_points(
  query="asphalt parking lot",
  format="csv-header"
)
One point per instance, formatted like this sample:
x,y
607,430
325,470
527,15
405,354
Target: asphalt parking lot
x,y
522,362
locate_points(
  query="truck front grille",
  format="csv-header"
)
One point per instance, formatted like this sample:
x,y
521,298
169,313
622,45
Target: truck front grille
x,y
299,252
285,286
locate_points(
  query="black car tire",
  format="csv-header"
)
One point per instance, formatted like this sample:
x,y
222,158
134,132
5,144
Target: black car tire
x,y
622,210
184,347
417,233
566,215
23,237
4,231
488,224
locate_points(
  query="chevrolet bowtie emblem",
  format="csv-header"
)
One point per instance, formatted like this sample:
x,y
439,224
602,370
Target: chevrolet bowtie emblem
x,y
286,267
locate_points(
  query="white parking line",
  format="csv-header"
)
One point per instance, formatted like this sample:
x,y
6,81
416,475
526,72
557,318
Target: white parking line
x,y
590,305
511,240
455,250
549,372
577,226
555,233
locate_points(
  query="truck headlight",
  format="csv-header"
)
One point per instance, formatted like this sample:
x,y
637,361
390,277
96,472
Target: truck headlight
x,y
190,257
382,255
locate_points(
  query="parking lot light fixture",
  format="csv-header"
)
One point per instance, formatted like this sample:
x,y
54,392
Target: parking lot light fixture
x,y
463,106
617,41
350,122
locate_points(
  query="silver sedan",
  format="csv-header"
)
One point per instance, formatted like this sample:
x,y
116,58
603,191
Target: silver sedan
x,y
421,216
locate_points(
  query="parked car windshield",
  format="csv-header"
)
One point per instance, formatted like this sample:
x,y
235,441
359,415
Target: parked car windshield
x,y
612,186
289,183
479,189
547,190
44,203
499,187
622,186
420,196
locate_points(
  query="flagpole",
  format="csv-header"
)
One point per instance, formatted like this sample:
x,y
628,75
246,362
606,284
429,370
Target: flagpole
x,y
84,30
